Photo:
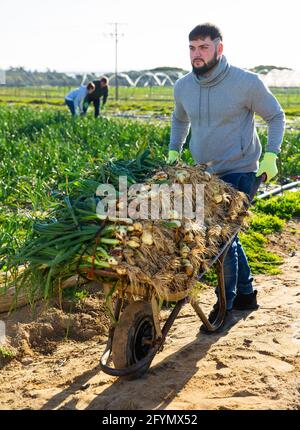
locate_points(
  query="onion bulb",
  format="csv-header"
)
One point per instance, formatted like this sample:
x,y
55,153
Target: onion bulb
x,y
147,238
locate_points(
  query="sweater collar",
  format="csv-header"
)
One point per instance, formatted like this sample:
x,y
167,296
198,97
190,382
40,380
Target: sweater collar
x,y
218,74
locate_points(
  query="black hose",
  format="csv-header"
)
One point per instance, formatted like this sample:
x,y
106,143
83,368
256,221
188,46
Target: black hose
x,y
278,190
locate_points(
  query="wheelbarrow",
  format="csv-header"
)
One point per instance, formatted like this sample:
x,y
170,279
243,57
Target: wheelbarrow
x,y
137,336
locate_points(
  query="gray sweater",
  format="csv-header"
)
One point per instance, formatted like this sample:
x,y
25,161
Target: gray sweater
x,y
220,111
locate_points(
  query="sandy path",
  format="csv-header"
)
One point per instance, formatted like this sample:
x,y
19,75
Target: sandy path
x,y
253,365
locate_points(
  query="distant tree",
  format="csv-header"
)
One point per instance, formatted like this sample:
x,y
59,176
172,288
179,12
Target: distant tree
x,y
266,69
18,76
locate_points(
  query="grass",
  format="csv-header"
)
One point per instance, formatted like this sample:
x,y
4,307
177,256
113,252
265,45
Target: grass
x,y
5,353
285,207
260,260
133,107
292,111
265,223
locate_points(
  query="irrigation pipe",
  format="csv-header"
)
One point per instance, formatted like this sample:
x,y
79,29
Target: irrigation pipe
x,y
279,190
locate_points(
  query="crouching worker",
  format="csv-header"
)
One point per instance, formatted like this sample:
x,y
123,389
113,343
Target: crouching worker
x,y
101,90
75,98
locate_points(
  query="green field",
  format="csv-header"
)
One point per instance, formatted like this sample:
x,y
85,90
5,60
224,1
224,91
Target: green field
x,y
125,93
153,100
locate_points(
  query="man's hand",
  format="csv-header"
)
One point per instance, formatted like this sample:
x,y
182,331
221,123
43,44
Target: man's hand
x,y
173,156
268,166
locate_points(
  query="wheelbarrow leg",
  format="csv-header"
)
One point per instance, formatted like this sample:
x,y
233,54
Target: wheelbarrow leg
x,y
111,331
212,327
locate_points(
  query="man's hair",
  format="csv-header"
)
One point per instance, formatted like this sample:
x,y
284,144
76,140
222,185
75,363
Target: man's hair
x,y
104,80
90,86
205,30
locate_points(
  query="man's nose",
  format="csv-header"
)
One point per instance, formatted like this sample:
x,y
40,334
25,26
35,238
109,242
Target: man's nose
x,y
197,52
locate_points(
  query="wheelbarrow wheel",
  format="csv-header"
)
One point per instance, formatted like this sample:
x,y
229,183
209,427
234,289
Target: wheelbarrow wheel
x,y
133,337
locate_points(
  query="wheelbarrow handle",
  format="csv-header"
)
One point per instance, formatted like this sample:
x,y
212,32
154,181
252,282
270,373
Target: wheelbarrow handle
x,y
259,180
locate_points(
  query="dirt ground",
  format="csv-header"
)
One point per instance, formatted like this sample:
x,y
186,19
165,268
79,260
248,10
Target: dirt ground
x,y
254,364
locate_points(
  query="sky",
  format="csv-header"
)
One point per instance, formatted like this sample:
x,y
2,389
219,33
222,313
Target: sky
x,y
75,35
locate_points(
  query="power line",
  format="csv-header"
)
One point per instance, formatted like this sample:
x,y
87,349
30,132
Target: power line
x,y
116,36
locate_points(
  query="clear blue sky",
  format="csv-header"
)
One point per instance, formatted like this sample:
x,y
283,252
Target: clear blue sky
x,y
71,35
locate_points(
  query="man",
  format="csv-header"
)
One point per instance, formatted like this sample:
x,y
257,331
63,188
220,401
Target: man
x,y
218,102
101,90
74,99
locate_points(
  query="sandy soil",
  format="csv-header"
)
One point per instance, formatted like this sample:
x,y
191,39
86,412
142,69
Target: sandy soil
x,y
253,365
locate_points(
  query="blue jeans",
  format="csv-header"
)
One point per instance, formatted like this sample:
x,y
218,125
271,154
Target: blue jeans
x,y
96,103
71,106
237,272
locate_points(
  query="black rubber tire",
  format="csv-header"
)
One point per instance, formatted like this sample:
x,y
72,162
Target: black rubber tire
x,y
135,325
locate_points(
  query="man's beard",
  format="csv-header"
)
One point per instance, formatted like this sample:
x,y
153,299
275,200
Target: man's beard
x,y
199,71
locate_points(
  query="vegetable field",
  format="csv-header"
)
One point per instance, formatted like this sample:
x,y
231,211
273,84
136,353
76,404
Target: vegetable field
x,y
43,151
152,100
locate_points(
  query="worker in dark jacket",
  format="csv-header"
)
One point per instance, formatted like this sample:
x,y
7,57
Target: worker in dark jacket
x,y
101,90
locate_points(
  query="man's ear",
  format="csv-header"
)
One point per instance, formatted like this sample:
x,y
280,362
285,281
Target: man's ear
x,y
220,48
